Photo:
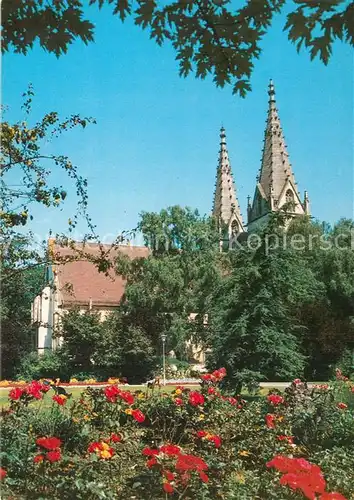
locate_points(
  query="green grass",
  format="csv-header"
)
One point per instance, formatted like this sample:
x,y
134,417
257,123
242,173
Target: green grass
x,y
76,391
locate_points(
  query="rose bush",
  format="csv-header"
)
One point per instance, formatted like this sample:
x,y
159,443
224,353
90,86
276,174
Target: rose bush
x,y
191,444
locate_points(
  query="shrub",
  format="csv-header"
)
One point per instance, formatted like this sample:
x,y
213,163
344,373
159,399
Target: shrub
x,y
191,444
50,364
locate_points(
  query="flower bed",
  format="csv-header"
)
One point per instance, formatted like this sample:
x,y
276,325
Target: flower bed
x,y
187,444
8,384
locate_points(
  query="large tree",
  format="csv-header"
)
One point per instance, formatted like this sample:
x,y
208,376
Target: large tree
x,y
174,281
19,286
209,36
252,330
286,307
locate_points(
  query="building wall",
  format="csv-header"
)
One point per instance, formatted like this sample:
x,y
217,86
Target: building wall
x,y
47,311
42,316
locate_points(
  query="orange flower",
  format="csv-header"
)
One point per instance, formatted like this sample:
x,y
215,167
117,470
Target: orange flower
x,y
102,450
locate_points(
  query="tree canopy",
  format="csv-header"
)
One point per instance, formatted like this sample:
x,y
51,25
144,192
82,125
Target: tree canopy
x,y
164,289
209,37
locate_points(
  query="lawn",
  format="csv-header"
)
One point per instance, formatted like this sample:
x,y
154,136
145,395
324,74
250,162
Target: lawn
x,y
76,391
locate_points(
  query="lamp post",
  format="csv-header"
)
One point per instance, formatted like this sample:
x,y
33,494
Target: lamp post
x,y
163,338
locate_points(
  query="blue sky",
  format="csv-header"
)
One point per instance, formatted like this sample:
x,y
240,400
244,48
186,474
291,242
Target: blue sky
x,y
156,139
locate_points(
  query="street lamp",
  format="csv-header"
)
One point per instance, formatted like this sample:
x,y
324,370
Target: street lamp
x,y
163,338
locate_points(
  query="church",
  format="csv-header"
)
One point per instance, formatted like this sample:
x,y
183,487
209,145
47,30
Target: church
x,y
78,283
275,183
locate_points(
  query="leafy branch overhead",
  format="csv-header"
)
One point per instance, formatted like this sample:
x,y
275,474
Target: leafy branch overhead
x,y
210,37
22,157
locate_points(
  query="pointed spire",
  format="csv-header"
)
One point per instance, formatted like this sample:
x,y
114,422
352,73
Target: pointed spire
x,y
275,182
276,168
226,207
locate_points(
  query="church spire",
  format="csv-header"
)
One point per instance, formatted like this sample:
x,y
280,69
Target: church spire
x,y
276,184
226,208
276,169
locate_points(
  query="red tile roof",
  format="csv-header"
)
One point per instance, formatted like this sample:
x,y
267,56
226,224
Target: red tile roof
x,y
80,282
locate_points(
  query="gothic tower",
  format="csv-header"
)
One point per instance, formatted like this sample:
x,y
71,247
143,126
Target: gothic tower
x,y
226,208
276,184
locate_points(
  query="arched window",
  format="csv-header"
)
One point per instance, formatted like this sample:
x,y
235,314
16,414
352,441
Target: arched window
x,y
234,227
289,196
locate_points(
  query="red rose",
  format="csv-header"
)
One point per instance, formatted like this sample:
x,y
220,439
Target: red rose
x,y
138,415
281,463
151,462
3,473
170,449
16,393
50,443
127,396
168,487
275,399
219,374
53,456
190,462
203,477
297,381
60,399
169,475
178,401
93,447
217,441
115,438
196,398
289,439
38,458
342,406
34,389
201,434
150,452
111,393
270,421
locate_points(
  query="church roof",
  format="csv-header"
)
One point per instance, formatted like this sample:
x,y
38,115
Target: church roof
x,y
226,206
275,168
78,280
